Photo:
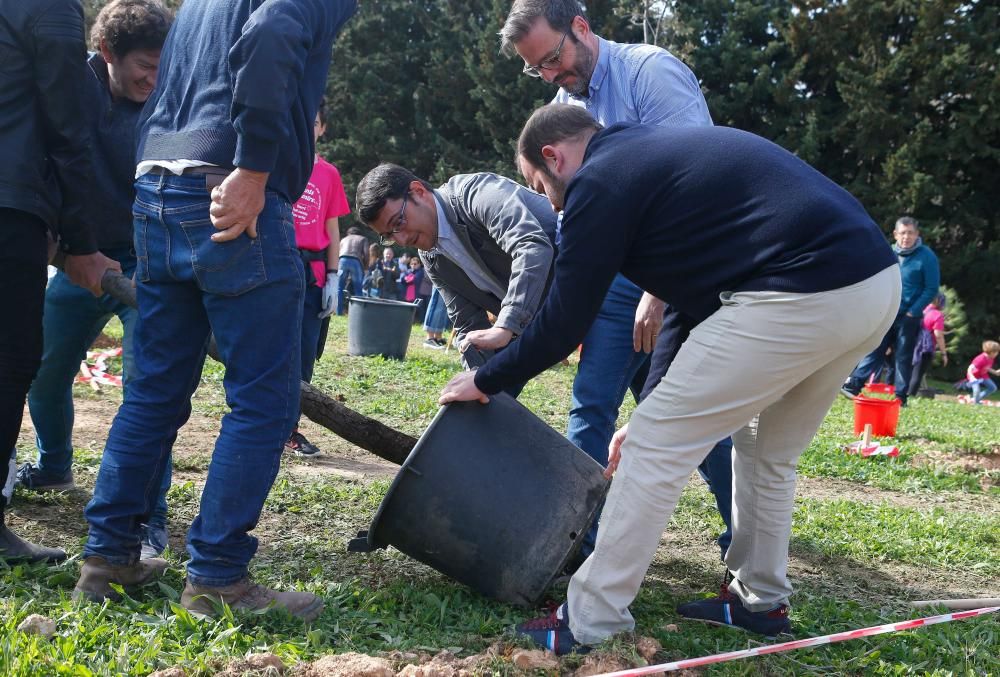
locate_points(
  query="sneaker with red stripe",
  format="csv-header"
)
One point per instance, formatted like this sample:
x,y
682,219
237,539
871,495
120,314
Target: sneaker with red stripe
x,y
727,609
552,632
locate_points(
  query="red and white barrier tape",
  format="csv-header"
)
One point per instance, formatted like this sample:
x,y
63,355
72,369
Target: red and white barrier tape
x,y
97,374
802,643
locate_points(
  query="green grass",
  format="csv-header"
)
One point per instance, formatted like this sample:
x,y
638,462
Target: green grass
x,y
868,535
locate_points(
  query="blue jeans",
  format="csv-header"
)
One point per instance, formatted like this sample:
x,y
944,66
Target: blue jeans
x,y
349,271
902,336
981,388
608,368
311,325
249,292
72,319
436,318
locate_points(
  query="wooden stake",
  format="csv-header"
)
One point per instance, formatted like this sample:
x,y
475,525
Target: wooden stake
x,y
958,604
866,438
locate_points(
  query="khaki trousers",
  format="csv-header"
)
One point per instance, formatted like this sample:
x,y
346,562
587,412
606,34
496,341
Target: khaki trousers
x,y
765,369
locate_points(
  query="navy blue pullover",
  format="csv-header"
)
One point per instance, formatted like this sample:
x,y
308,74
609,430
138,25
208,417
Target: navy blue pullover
x,y
239,85
112,124
688,213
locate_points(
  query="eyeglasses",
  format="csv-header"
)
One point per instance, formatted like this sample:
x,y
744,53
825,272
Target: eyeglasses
x,y
551,62
387,239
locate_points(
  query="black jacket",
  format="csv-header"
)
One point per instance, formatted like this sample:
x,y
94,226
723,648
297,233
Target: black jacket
x,y
44,140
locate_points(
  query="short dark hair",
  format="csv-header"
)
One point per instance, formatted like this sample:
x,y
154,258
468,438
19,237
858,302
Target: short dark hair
x,y
385,182
127,25
550,124
524,13
354,230
907,221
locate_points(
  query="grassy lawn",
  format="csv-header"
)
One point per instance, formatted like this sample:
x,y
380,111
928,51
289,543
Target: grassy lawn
x,y
869,536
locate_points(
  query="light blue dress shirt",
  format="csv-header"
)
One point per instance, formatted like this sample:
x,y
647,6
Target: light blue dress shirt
x,y
641,83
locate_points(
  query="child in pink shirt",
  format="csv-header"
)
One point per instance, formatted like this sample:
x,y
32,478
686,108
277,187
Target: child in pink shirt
x,y
980,369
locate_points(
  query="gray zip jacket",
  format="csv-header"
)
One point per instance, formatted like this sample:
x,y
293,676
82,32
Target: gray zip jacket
x,y
509,231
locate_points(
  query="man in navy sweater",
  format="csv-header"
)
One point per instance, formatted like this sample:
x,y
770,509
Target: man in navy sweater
x,y
226,146
776,263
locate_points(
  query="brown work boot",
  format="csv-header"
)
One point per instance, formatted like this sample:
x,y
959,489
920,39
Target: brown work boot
x,y
13,548
201,600
98,574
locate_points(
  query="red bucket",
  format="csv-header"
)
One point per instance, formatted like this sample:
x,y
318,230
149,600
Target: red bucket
x,y
883,415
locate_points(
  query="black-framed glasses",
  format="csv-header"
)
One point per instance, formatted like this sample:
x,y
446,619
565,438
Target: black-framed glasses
x,y
550,62
387,239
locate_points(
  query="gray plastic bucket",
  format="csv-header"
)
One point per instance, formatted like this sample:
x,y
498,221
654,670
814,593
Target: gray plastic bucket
x,y
491,496
379,327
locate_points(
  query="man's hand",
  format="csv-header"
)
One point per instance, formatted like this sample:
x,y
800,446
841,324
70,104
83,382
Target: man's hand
x,y
648,320
87,271
493,338
329,296
236,203
615,451
462,388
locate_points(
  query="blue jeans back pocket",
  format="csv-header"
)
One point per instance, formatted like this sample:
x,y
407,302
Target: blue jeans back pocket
x,y
224,268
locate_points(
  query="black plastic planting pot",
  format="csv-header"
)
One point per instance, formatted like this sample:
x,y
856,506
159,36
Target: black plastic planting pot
x,y
491,496
379,327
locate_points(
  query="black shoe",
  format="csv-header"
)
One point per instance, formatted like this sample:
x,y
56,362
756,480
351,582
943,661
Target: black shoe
x,y
300,446
433,344
849,392
30,476
441,342
727,609
552,632
15,549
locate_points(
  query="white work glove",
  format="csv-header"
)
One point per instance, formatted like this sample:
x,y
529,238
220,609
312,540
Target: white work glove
x,y
329,295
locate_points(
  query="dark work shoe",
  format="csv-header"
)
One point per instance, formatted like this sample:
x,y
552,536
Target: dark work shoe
x,y
13,548
300,446
552,632
727,609
30,476
849,392
98,574
154,541
204,600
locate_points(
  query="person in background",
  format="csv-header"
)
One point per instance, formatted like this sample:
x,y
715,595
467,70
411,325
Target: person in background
x,y
921,276
413,280
404,264
978,373
127,37
931,338
373,277
317,235
435,321
388,266
424,291
45,188
351,269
